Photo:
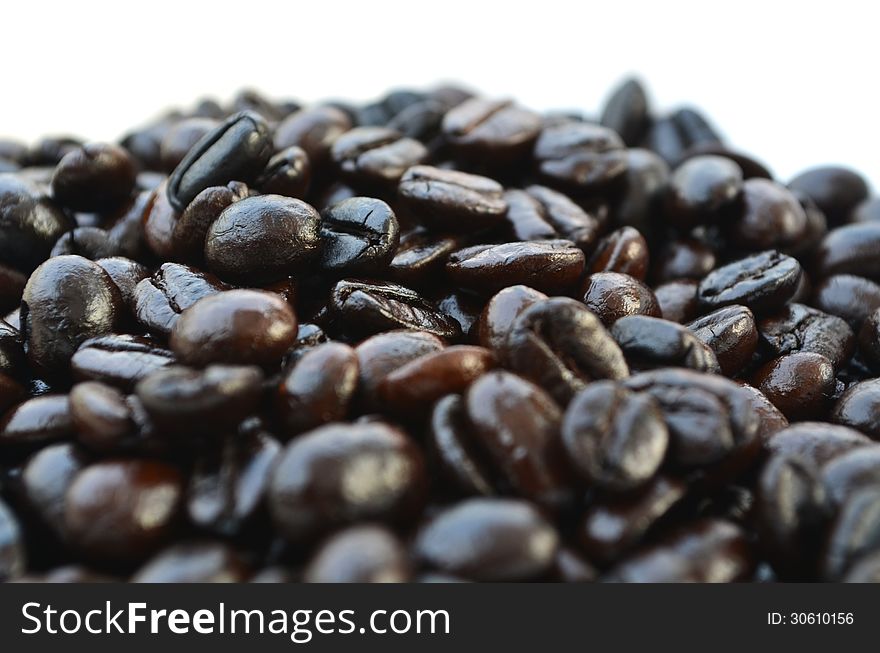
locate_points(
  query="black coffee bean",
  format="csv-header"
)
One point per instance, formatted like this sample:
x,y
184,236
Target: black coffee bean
x,y
580,157
801,328
627,112
644,185
236,150
493,132
701,189
500,312
799,384
30,223
771,218
836,190
851,249
762,282
191,228
96,177
359,236
376,157
651,342
848,296
677,301
731,333
287,173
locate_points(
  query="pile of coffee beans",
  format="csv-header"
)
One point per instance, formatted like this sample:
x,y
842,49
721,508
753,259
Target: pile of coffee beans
x,y
437,337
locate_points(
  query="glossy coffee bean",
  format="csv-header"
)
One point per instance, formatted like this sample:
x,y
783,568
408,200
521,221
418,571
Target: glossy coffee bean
x,y
360,236
850,297
420,256
464,308
684,259
701,189
859,408
375,157
525,217
491,131
649,342
799,384
489,540
227,488
263,239
561,345
580,157
517,424
126,275
771,218
96,177
462,464
836,190
625,251
190,229
626,112
366,308
612,295
123,510
614,438
288,173
13,561
731,333
710,418
193,563
851,249
552,266
344,473
45,479
854,534
313,129
801,328
67,300
89,242
318,389
850,472
612,527
771,419
30,223
172,289
216,328
499,313
644,184
713,551
413,388
762,282
188,403
449,200
118,360
677,301
102,416
360,554
569,220
236,150
180,138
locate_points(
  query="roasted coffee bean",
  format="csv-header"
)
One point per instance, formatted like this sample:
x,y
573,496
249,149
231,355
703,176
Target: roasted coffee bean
x,y
172,289
801,328
644,184
849,297
119,360
313,129
836,190
489,540
366,308
613,527
123,510
526,218
552,266
713,551
731,333
815,443
288,173
13,560
500,312
181,137
420,256
561,345
517,423
159,221
624,251
411,389
651,342
449,200
102,416
12,285
869,339
849,472
11,353
10,392
684,259
614,438
677,301
612,295
236,150
235,327
710,418
360,554
126,275
376,157
227,488
491,131
263,239
89,242
462,464
465,309
45,479
580,157
190,229
344,473
859,408
569,220
799,384
30,223
851,249
360,236
319,389
771,218
867,211
772,421
96,177
626,112
188,403
762,282
421,120
701,189
207,562
854,534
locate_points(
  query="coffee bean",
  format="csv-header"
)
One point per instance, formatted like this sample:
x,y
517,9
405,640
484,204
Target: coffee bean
x,y
867,211
569,220
287,173
798,384
836,190
851,249
677,302
181,137
420,256
612,295
489,540
859,408
684,259
850,472
30,223
855,532
236,150
762,282
500,312
360,554
45,479
849,297
651,342
461,462
815,443
800,328
869,339
624,251
626,112
580,157
194,563
172,289
772,217
95,177
360,236
126,275
731,333
314,130
376,157
119,360
644,184
494,132
701,190
191,228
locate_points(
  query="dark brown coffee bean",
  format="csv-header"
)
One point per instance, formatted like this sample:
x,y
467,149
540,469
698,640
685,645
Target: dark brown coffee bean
x,y
172,289
489,540
624,251
772,421
801,328
101,415
123,510
314,129
850,472
851,249
614,438
119,360
30,223
344,473
360,554
375,157
36,422
190,229
580,157
126,275
849,297
319,388
859,408
644,185
854,534
235,327
626,112
288,173
799,384
517,423
553,266
360,236
494,132
731,333
180,138
816,443
89,242
762,282
651,342
701,189
366,308
772,217
465,309
95,177
45,479
420,256
449,200
611,296
684,259
500,312
194,563
461,462
836,190
677,301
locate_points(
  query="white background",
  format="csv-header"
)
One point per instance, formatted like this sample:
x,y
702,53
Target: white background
x,y
796,83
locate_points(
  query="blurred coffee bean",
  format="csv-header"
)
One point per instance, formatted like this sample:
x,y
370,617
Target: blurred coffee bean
x,y
194,563
580,157
626,112
118,360
360,554
836,190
